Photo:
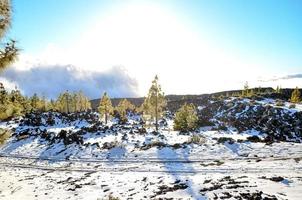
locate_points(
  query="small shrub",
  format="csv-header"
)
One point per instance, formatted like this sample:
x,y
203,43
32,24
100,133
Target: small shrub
x,y
196,139
155,143
225,139
279,103
254,138
111,197
222,127
114,144
292,106
205,122
186,118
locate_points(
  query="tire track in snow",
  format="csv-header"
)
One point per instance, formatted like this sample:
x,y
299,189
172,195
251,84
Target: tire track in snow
x,y
146,159
150,167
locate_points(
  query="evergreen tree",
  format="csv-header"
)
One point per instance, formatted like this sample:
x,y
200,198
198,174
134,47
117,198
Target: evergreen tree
x,y
186,118
155,102
295,97
83,102
34,102
245,91
3,95
277,89
71,102
64,102
4,101
12,104
105,107
8,51
17,102
27,105
123,108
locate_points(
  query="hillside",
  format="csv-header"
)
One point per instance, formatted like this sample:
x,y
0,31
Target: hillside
x,y
175,101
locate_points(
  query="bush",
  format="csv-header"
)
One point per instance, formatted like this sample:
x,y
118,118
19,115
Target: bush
x,y
279,103
254,138
186,118
222,127
196,139
292,106
112,197
225,139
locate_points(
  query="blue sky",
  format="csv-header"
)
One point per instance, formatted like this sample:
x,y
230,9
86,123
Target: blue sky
x,y
260,38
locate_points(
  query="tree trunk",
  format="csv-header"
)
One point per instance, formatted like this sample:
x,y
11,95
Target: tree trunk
x,y
156,113
67,104
105,114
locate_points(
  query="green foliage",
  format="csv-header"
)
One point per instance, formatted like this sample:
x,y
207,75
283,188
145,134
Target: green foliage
x,y
186,118
155,102
70,102
123,108
105,107
245,91
11,104
14,104
4,135
295,97
8,51
278,89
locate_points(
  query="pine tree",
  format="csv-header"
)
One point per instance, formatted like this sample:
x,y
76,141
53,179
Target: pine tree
x,y
123,108
277,89
9,51
4,101
83,102
186,118
295,97
245,91
259,90
17,102
105,107
34,102
12,104
155,102
71,102
3,95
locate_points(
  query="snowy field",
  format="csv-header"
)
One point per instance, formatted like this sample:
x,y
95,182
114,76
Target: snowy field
x,y
81,158
208,171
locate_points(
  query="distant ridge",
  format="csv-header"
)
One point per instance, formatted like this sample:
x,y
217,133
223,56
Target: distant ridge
x,y
175,100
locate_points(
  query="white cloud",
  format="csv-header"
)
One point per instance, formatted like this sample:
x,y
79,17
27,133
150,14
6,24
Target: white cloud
x,y
50,80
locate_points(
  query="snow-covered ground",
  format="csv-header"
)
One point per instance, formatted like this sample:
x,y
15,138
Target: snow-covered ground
x,y
130,162
276,179
198,171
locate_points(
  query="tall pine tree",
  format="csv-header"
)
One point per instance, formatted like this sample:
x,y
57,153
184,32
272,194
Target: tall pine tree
x,y
155,102
105,107
295,97
8,50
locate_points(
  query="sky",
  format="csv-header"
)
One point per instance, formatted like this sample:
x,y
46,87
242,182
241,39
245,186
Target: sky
x,y
118,46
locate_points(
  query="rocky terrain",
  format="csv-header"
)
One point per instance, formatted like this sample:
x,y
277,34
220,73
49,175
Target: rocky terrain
x,y
244,149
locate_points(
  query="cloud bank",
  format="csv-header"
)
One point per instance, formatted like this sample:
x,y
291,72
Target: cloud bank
x,y
50,80
287,77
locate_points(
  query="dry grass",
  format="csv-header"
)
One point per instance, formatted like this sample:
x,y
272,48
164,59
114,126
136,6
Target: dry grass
x,y
196,139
